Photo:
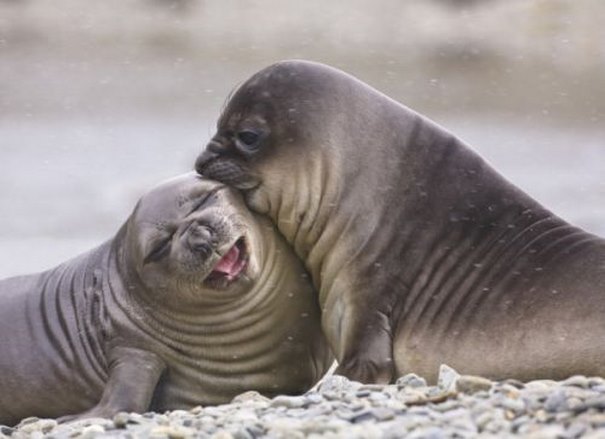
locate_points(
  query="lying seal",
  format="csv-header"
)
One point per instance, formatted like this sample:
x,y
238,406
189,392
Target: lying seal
x,y
194,301
422,254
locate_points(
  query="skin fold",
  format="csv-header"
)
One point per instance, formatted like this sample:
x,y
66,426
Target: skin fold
x,y
146,322
421,252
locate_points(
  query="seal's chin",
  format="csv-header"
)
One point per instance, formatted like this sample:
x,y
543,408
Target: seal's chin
x,y
230,267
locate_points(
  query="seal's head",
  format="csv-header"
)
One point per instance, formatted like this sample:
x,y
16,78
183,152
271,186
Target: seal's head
x,y
278,128
193,237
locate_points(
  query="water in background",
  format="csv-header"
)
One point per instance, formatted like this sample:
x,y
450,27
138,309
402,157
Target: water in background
x,y
99,105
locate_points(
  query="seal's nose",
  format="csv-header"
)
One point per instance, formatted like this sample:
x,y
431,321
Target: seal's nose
x,y
200,238
203,159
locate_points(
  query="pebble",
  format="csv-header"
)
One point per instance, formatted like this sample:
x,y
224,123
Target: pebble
x,y
460,406
447,378
251,396
472,384
288,401
410,380
556,401
577,381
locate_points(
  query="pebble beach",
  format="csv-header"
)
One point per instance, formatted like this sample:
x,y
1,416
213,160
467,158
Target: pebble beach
x,y
459,406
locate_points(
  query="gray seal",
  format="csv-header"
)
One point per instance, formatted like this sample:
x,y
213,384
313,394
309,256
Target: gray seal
x,y
194,301
421,252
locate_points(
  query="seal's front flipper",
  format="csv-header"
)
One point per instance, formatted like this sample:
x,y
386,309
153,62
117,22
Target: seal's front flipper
x,y
133,376
362,342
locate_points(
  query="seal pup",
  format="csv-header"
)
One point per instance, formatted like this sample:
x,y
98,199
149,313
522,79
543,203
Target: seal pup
x,y
194,301
422,254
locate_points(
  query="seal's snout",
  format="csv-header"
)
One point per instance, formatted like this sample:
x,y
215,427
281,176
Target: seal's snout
x,y
204,158
201,239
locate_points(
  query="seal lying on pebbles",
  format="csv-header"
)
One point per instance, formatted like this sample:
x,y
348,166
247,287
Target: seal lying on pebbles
x,y
421,252
194,301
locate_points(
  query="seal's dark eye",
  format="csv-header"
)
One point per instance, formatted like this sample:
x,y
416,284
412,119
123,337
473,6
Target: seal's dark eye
x,y
249,138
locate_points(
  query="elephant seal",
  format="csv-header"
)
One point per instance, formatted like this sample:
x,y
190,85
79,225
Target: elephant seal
x,y
194,301
421,252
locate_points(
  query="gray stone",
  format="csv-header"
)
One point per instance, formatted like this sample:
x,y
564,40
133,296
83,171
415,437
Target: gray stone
x,y
91,431
599,388
171,431
432,432
513,382
6,430
446,406
574,403
540,385
575,430
483,419
338,384
372,387
412,396
597,420
243,433
360,416
521,421
120,420
577,381
31,425
314,398
447,378
288,401
546,432
472,384
383,414
377,397
243,415
592,403
411,380
251,396
556,401
497,426
508,390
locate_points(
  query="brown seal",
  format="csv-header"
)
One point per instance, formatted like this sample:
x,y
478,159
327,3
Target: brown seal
x,y
421,252
193,302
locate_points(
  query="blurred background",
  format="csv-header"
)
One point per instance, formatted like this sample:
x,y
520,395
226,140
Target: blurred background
x,y
101,100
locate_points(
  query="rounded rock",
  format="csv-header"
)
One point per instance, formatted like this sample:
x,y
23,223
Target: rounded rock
x,y
251,396
411,380
290,402
472,384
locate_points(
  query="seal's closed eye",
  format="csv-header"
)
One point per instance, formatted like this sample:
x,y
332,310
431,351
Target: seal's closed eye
x,y
159,250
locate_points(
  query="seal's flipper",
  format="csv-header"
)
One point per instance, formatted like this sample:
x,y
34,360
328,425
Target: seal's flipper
x,y
365,343
133,376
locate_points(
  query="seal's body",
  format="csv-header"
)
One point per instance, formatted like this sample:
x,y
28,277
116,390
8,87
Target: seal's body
x,y
422,253
193,302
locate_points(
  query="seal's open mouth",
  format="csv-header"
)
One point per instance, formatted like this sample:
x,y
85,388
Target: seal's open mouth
x,y
231,265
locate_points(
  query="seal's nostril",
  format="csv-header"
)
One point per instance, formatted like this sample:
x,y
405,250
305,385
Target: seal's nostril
x,y
202,248
204,158
200,238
